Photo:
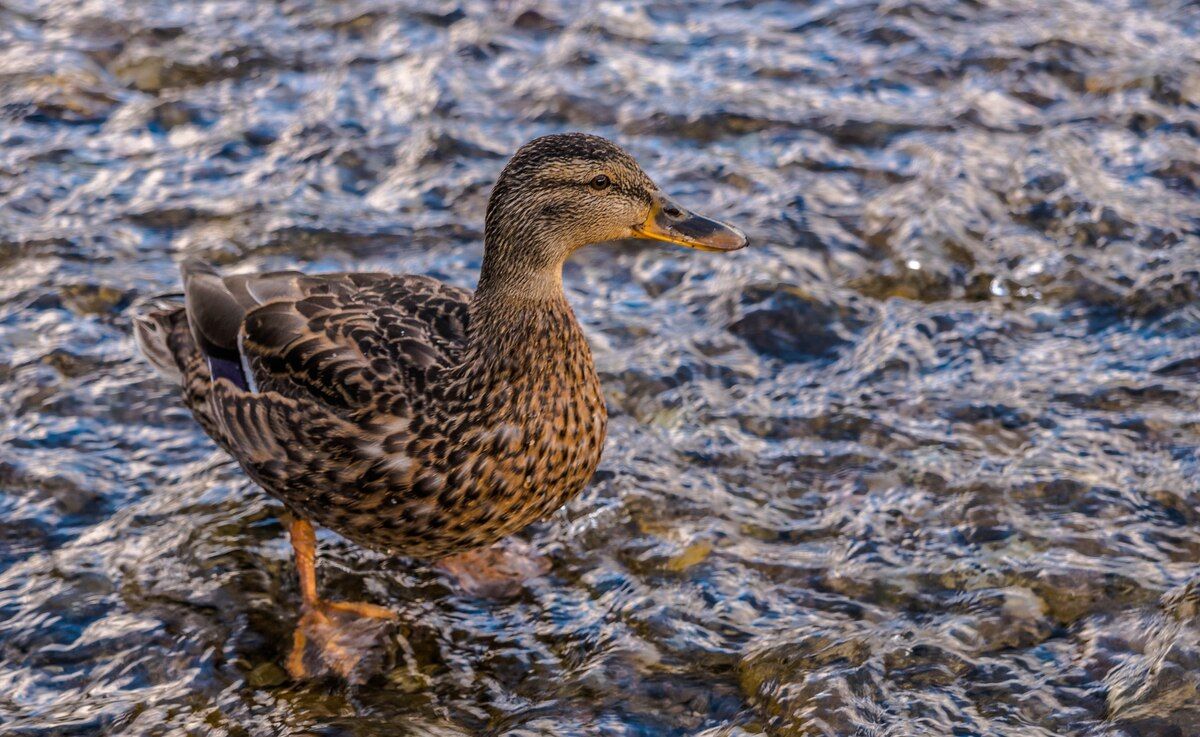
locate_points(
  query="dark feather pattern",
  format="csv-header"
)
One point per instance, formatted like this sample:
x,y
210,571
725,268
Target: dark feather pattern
x,y
377,416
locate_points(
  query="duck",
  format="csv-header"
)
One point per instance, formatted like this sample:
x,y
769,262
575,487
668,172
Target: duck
x,y
406,414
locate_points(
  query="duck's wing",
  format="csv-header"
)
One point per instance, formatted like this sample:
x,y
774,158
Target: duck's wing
x,y
339,340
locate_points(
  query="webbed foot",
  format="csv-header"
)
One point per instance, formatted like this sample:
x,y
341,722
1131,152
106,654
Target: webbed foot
x,y
333,638
340,638
498,571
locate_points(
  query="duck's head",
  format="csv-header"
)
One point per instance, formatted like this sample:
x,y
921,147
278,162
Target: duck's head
x,y
562,192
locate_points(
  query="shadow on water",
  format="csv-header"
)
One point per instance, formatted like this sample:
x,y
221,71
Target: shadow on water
x,y
922,461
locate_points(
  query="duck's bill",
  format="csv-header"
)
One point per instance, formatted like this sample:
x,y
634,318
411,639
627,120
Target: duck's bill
x,y
674,224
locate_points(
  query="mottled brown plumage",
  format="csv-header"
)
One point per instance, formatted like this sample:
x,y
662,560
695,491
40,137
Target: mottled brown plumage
x,y
376,416
407,414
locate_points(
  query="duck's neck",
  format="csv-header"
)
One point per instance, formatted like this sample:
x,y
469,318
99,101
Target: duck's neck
x,y
521,325
516,332
509,281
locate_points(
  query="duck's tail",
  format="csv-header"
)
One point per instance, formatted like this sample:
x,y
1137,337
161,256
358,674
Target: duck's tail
x,y
153,322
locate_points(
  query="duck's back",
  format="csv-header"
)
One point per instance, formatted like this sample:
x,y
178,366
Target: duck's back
x,y
345,339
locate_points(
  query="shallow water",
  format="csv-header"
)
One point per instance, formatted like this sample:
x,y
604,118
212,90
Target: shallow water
x,y
922,461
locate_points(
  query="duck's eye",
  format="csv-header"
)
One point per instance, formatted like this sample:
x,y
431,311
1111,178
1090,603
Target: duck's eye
x,y
601,181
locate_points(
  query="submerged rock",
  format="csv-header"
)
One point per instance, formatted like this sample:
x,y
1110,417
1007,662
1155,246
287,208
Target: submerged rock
x,y
786,322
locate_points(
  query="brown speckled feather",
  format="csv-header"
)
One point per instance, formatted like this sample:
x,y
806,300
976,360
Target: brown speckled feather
x,y
373,412
355,339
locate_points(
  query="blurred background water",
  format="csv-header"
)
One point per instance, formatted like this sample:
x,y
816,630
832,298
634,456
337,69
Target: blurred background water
x,y
923,461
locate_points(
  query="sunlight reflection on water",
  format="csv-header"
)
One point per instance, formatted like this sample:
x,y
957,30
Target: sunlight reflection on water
x,y
921,461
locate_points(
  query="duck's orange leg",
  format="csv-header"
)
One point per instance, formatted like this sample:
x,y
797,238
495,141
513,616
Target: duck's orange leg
x,y
339,637
304,546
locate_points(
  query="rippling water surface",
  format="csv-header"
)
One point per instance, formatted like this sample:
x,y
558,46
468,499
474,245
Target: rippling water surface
x,y
922,461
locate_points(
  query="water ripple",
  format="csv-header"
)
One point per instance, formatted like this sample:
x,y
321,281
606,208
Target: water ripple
x,y
922,461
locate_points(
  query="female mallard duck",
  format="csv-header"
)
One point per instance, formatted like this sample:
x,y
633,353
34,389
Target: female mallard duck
x,y
407,414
